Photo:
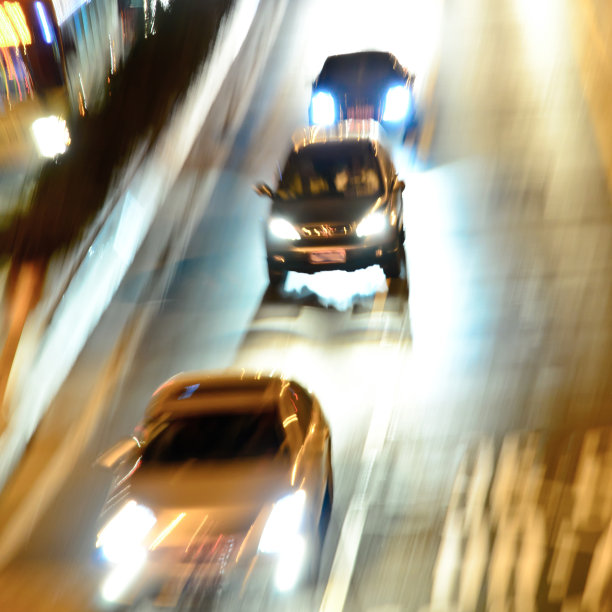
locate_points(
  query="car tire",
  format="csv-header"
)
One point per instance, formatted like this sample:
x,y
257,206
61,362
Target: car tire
x,y
402,236
277,277
396,264
326,509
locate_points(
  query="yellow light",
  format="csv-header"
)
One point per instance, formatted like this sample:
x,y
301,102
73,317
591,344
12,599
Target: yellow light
x,y
158,540
8,37
20,27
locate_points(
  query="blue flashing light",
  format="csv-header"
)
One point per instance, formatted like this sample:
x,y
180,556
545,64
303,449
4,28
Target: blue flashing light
x,y
323,111
44,22
397,104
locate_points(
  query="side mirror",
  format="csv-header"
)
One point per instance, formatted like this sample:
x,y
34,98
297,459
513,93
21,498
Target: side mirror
x,y
111,458
264,189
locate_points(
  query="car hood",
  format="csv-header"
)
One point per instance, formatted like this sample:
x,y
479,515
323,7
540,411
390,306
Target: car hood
x,y
325,210
213,499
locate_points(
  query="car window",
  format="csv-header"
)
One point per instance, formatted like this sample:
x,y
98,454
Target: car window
x,y
331,171
213,437
355,69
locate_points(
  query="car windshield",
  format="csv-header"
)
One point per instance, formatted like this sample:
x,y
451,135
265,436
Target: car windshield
x,y
324,170
214,437
358,69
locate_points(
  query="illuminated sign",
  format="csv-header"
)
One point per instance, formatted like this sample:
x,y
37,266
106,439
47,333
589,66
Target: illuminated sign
x,y
14,30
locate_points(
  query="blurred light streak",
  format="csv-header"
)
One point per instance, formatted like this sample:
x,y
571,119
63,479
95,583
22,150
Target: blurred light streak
x,y
600,573
448,562
164,533
121,577
44,21
474,567
289,566
541,22
8,36
15,12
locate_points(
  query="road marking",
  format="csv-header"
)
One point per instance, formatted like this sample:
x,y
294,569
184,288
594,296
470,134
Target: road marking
x,y
595,71
343,564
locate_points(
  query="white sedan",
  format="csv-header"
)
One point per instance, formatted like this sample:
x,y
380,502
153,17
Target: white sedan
x,y
225,490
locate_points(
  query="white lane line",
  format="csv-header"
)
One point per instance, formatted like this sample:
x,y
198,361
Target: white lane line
x,y
354,521
343,565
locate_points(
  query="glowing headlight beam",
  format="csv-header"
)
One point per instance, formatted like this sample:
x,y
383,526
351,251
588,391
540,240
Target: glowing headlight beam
x,y
120,578
281,228
164,534
290,564
121,537
284,523
51,135
397,103
323,108
374,223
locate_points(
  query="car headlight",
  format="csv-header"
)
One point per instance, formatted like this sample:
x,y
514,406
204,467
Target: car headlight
x,y
397,103
374,223
121,538
51,135
323,108
284,523
281,228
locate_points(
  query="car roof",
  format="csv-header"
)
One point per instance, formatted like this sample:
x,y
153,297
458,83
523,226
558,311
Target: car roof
x,y
348,66
190,393
351,130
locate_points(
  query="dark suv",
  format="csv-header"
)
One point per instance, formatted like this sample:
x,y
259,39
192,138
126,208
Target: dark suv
x,y
364,85
337,205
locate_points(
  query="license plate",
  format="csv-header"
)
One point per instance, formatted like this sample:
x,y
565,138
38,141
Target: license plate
x,y
332,256
360,112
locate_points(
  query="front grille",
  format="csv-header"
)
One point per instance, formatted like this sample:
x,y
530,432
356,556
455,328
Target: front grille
x,y
365,111
327,230
360,108
210,549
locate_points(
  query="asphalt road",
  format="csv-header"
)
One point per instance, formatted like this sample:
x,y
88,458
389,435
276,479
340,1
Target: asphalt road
x,y
471,426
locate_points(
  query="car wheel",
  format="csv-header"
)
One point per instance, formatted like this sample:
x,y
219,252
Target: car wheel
x,y
277,277
326,510
396,263
402,236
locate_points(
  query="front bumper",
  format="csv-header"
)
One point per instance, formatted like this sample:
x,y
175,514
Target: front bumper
x,y
170,584
311,259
